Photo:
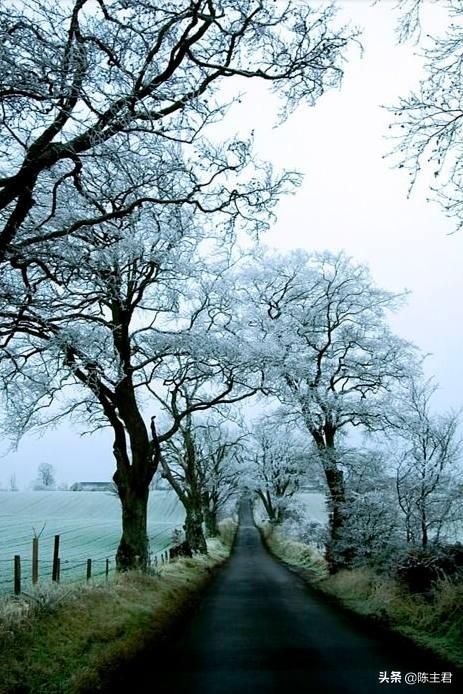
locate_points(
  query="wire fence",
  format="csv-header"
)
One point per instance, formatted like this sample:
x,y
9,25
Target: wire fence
x,y
89,528
20,573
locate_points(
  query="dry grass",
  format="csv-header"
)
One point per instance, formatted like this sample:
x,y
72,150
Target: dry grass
x,y
227,530
63,640
295,553
435,621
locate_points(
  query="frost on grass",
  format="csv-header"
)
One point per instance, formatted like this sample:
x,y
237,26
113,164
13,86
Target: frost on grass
x,y
66,639
295,553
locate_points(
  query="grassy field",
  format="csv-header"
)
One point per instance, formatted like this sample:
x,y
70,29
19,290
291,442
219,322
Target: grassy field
x,y
89,524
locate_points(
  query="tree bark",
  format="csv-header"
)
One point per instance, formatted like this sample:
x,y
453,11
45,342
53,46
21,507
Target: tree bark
x,y
335,481
193,526
137,462
335,554
132,478
210,520
133,550
424,527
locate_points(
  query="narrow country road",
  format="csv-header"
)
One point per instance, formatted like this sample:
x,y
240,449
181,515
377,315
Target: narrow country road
x,y
259,629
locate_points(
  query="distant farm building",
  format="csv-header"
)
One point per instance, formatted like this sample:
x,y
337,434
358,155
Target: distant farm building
x,y
92,487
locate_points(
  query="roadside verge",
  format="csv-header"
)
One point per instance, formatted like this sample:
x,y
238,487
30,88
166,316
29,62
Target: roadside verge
x,y
71,640
434,622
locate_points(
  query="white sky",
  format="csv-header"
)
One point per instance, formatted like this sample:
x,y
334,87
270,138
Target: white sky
x,y
351,199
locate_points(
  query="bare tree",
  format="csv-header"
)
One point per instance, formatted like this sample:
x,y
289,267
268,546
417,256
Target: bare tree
x,y
219,469
428,122
331,358
198,461
409,24
371,530
428,467
45,477
127,319
276,467
180,468
90,91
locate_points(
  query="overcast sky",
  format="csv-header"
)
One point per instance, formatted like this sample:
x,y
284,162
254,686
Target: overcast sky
x,y
351,199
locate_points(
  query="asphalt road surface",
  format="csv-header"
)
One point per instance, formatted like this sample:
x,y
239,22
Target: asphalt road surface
x,y
260,629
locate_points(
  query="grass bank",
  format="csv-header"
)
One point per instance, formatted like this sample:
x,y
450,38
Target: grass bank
x,y
66,641
434,621
298,554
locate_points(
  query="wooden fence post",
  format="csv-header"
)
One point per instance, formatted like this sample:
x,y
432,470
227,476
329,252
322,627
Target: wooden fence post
x,y
89,569
35,560
55,571
107,569
17,574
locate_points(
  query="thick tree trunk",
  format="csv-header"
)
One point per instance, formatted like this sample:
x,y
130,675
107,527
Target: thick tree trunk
x,y
194,528
334,551
133,550
336,554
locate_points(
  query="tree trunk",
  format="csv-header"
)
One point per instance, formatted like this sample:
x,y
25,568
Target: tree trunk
x,y
268,505
424,527
210,520
334,551
133,550
194,529
336,555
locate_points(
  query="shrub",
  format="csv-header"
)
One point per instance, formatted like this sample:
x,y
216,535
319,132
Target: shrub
x,y
434,620
419,568
294,552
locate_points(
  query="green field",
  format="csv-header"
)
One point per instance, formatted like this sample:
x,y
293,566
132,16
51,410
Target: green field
x,y
89,525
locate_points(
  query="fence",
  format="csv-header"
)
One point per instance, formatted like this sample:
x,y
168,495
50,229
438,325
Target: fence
x,y
20,572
